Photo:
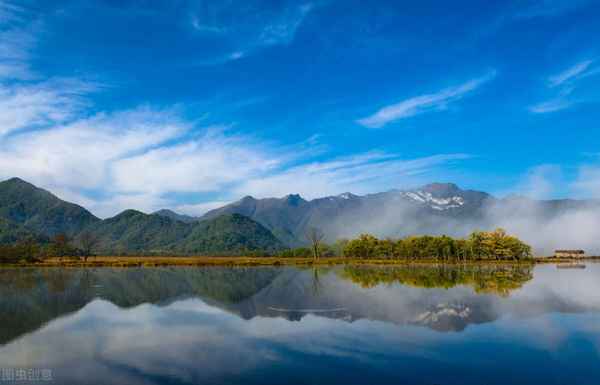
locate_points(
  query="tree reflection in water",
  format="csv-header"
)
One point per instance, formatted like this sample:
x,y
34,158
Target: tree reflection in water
x,y
498,279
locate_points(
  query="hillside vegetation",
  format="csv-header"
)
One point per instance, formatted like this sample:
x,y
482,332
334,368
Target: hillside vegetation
x,y
35,224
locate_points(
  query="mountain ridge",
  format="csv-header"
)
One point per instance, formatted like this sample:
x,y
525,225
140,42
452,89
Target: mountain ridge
x,y
290,217
41,211
433,209
27,211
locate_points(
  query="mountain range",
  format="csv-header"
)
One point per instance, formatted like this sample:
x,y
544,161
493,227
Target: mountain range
x,y
392,213
28,211
438,208
273,223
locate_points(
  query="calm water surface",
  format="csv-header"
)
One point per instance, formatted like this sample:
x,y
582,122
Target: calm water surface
x,y
348,325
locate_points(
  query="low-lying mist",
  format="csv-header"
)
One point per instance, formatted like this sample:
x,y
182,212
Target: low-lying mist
x,y
545,225
550,225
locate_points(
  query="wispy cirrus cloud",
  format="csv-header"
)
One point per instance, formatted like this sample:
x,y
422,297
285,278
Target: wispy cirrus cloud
x,y
569,74
27,100
33,105
243,28
15,44
208,163
423,103
9,11
566,82
78,155
550,106
359,173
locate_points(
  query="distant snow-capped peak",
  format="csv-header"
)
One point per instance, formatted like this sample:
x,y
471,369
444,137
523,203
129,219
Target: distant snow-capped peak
x,y
436,203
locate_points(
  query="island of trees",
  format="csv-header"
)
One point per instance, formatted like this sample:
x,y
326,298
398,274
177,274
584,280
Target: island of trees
x,y
480,245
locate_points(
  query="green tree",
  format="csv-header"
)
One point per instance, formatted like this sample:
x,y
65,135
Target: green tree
x,y
363,247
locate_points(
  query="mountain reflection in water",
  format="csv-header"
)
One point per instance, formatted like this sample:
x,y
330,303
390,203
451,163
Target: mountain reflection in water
x,y
230,325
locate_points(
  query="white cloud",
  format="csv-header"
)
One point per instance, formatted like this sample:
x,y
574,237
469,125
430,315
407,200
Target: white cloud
x,y
237,55
208,163
569,74
205,28
16,41
254,28
565,81
15,44
25,101
9,11
118,202
587,183
24,106
200,208
233,166
135,159
550,106
77,155
424,103
282,31
13,70
359,173
541,182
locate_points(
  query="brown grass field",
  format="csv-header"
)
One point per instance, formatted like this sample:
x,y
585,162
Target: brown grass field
x,y
151,261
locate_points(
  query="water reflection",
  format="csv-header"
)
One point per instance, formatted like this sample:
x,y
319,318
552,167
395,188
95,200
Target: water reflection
x,y
499,279
259,325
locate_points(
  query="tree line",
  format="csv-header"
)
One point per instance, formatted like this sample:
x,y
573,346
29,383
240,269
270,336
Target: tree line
x,y
60,246
480,245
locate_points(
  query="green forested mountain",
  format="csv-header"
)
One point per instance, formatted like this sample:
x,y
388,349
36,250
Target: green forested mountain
x,y
40,212
29,212
173,215
136,232
133,232
228,233
11,232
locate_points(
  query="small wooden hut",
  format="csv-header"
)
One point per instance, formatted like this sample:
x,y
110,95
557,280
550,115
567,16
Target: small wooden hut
x,y
569,253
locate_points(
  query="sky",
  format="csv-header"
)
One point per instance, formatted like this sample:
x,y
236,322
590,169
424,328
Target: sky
x,y
190,105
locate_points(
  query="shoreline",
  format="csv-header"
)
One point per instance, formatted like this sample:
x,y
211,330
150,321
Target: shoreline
x,y
159,261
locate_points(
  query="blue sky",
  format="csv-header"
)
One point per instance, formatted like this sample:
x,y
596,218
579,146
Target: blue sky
x,y
193,104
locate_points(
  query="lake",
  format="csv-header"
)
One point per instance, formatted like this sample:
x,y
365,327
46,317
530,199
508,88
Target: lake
x,y
415,324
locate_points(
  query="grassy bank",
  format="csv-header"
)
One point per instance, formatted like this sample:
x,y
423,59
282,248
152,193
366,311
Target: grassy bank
x,y
150,261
